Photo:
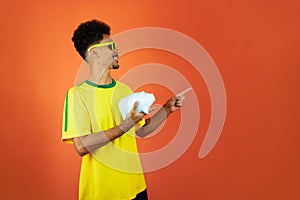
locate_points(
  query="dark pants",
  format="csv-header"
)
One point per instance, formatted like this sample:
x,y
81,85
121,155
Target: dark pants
x,y
141,196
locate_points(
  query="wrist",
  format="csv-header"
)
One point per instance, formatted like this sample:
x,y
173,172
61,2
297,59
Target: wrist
x,y
167,109
126,124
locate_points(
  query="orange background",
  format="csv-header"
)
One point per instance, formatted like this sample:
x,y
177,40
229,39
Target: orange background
x,y
255,45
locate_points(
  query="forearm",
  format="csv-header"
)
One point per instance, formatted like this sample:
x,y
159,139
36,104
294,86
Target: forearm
x,y
91,142
153,122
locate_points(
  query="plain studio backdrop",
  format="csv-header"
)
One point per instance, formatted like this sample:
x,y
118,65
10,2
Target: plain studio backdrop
x,y
255,45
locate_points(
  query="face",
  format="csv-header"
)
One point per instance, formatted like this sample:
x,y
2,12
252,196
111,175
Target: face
x,y
105,52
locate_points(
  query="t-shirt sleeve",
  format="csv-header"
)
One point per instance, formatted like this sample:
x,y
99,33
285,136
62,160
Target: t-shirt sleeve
x,y
76,121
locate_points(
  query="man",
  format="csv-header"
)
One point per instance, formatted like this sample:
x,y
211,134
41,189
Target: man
x,y
111,168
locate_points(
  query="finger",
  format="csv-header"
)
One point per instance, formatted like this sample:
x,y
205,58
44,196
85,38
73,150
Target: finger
x,y
184,92
173,99
135,105
179,102
180,98
179,105
139,115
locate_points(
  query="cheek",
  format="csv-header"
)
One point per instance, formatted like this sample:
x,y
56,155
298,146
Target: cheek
x,y
107,53
108,58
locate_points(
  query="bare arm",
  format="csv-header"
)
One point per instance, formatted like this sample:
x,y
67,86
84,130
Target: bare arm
x,y
152,123
91,142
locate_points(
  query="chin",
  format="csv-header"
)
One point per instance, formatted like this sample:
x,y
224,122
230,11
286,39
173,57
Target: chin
x,y
115,66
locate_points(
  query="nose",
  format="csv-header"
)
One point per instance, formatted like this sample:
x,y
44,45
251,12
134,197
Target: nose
x,y
116,55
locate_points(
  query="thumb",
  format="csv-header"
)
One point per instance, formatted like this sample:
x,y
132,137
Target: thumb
x,y
173,99
135,105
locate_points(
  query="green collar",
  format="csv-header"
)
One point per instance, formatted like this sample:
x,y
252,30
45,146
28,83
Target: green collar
x,y
101,86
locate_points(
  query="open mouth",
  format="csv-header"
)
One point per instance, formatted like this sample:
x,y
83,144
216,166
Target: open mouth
x,y
115,65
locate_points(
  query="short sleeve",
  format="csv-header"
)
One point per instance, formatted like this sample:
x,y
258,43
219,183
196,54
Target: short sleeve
x,y
76,122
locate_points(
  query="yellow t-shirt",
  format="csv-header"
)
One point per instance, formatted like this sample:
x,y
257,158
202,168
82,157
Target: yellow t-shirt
x,y
112,172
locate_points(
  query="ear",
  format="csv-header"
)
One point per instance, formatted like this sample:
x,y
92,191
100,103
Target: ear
x,y
93,53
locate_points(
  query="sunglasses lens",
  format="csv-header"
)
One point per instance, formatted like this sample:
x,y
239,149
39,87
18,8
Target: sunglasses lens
x,y
112,46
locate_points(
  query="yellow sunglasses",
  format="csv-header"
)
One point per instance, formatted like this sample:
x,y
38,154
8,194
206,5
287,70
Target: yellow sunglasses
x,y
111,45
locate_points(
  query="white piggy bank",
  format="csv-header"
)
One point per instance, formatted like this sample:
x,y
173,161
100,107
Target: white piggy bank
x,y
145,101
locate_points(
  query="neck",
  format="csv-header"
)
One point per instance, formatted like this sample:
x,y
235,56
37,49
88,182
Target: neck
x,y
100,77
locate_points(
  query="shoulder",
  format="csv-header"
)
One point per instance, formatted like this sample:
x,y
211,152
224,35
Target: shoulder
x,y
75,90
122,84
123,87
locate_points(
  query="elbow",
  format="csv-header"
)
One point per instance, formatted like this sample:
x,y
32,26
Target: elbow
x,y
81,152
80,148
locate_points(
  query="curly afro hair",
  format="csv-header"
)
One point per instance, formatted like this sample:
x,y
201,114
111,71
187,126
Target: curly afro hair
x,y
89,33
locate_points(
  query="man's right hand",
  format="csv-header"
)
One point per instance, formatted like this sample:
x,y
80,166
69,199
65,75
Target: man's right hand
x,y
132,118
134,115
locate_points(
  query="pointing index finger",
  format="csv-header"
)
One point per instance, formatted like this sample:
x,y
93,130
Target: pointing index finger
x,y
184,92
